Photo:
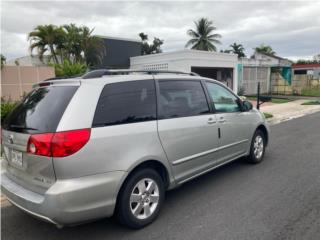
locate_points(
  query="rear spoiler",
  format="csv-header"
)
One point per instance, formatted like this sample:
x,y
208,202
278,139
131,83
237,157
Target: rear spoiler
x,y
60,82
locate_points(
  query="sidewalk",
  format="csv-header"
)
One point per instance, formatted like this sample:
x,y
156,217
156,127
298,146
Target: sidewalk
x,y
286,111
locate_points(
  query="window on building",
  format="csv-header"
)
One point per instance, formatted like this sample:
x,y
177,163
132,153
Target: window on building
x,y
300,72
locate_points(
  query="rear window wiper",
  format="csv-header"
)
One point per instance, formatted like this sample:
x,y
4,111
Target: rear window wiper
x,y
22,127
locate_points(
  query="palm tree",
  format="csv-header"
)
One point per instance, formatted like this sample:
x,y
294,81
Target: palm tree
x,y
265,49
93,47
44,38
238,49
72,44
69,42
202,37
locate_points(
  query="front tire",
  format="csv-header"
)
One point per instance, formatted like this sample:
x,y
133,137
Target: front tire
x,y
140,199
257,148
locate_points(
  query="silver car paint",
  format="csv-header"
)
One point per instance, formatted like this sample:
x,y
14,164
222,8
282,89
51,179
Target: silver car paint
x,y
85,185
187,142
68,201
37,173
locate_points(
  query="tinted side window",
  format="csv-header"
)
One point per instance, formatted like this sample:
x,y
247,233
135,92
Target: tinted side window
x,y
41,110
182,98
223,99
126,102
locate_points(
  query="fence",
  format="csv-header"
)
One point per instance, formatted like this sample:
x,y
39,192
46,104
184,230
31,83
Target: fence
x,y
277,81
18,80
304,82
250,78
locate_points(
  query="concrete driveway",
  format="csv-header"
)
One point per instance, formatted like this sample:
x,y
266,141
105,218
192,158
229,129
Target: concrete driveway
x,y
287,111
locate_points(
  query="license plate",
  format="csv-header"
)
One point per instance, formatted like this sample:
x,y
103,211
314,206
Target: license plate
x,y
16,158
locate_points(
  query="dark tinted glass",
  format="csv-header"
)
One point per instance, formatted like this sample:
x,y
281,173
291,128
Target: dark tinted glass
x,y
126,102
181,99
41,110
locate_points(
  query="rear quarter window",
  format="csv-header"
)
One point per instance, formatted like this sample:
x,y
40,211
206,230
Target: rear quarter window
x,y
41,110
126,102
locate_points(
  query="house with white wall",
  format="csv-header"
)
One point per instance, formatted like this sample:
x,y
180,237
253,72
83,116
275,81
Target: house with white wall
x,y
219,66
258,69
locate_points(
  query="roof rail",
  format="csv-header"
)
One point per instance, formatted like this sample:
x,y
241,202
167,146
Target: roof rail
x,y
101,72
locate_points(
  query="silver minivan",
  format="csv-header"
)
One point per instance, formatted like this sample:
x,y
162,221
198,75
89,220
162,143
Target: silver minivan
x,y
112,142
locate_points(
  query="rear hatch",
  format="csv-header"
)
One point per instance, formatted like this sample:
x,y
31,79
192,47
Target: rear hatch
x,y
40,112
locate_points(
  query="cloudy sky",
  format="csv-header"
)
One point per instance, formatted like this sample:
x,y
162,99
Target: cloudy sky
x,y
291,28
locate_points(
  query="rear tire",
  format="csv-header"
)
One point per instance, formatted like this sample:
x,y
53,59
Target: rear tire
x,y
257,148
140,199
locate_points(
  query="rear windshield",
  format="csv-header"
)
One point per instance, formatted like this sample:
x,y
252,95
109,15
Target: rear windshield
x,y
41,110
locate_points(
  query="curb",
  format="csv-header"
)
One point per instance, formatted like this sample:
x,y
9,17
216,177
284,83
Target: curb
x,y
275,120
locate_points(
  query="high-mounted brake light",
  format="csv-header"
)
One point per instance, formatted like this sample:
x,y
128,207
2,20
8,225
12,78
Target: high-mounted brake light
x,y
60,144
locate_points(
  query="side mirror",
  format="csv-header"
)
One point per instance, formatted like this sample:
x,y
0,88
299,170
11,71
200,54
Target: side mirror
x,y
246,105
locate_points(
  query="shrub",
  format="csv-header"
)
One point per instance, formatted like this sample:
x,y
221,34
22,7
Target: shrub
x,y
268,115
241,91
316,102
6,108
68,69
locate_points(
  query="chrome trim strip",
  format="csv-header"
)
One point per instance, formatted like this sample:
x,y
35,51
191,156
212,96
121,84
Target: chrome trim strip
x,y
185,159
210,169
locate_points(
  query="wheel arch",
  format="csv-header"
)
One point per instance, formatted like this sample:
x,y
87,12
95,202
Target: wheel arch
x,y
158,166
263,128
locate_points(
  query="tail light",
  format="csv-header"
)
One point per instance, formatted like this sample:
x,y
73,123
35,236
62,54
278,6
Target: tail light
x,y
40,144
59,144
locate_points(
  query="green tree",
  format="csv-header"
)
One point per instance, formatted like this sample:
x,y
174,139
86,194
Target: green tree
x,y
45,38
238,49
202,37
71,46
150,48
307,61
265,49
68,42
93,47
3,60
68,69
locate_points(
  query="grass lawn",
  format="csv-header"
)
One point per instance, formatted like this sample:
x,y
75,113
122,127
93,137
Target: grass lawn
x,y
268,115
311,103
313,92
273,100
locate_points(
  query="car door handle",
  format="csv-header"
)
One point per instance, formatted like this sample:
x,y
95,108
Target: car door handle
x,y
211,120
221,120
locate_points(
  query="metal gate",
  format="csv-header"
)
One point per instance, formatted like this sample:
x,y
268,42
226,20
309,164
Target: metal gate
x,y
250,78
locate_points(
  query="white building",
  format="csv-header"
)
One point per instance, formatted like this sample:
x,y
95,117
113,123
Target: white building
x,y
257,69
220,66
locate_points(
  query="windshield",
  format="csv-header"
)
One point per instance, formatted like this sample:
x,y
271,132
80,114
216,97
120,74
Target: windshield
x,y
41,110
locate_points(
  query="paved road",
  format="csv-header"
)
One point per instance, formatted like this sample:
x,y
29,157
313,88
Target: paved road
x,y
277,199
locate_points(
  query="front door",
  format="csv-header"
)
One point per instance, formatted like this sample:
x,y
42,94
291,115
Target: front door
x,y
187,129
234,125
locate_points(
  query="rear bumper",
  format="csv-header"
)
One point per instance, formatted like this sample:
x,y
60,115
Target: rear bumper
x,y
69,201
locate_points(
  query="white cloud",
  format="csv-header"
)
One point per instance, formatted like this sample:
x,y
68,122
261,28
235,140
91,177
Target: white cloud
x,y
291,28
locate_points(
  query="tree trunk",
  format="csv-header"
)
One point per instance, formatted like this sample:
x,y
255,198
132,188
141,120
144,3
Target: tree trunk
x,y
54,54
